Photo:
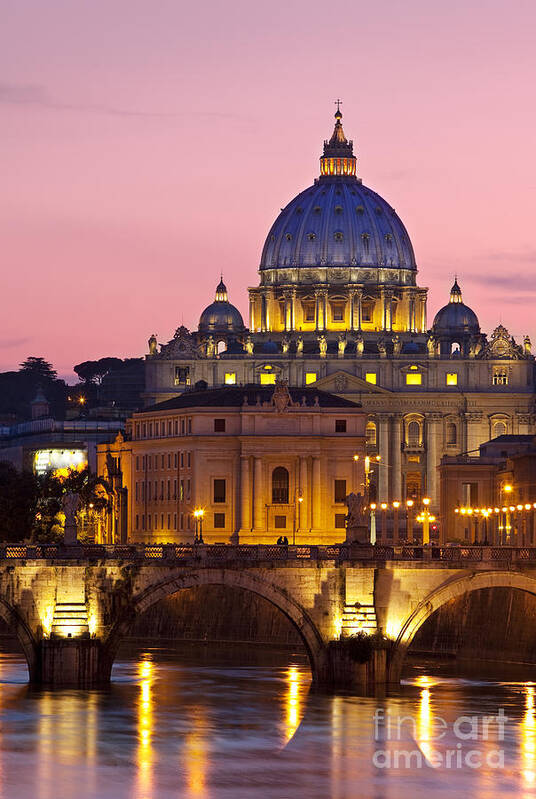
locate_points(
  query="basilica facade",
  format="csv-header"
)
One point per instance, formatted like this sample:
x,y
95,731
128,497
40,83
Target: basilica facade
x,y
338,308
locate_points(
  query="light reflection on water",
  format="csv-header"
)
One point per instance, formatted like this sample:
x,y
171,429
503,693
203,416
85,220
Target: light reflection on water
x,y
179,723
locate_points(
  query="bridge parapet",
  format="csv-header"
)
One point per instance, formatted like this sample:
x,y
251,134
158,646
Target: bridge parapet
x,y
261,553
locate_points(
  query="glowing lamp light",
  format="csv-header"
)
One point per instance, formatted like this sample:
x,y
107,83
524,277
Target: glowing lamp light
x,y
384,506
373,506
528,506
426,501
512,507
508,489
356,457
519,507
409,503
396,504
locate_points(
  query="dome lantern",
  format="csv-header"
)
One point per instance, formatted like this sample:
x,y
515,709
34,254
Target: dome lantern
x,y
338,158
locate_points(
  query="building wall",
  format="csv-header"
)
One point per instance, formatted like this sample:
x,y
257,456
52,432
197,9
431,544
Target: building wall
x,y
174,458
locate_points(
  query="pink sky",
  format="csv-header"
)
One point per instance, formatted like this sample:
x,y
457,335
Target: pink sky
x,y
145,146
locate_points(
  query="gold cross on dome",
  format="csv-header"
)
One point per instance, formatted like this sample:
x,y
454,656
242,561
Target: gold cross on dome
x,y
338,103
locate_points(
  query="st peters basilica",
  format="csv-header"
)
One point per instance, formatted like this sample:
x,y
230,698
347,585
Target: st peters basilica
x,y
338,308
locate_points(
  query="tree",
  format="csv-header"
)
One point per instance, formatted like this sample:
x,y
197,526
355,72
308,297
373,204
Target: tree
x,y
39,368
94,371
19,497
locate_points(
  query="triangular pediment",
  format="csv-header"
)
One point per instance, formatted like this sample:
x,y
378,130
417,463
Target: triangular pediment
x,y
341,382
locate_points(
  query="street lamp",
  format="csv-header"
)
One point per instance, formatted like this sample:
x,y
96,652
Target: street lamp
x,y
300,500
198,516
425,517
396,506
409,524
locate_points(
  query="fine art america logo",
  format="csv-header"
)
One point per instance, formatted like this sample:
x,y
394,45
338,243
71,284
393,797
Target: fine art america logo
x,y
430,741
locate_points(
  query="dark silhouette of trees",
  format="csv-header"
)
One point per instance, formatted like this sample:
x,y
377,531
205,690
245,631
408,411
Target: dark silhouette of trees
x,y
19,498
38,368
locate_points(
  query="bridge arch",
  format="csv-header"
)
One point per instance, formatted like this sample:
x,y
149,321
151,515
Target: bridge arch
x,y
24,635
451,589
297,615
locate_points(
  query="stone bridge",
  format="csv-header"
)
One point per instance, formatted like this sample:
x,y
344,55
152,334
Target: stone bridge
x,y
70,607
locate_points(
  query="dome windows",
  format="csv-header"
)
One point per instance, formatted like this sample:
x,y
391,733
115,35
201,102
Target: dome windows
x,y
338,235
360,210
288,236
338,209
311,236
317,209
378,210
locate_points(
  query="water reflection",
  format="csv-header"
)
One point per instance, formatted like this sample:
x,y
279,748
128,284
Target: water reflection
x,y
528,745
177,724
145,730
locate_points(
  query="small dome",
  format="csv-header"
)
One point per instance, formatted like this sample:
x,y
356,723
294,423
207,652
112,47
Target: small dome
x,y
456,317
220,316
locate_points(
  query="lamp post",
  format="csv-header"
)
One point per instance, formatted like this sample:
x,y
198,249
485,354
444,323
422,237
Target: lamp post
x,y
384,521
300,500
507,489
409,524
396,506
426,518
198,516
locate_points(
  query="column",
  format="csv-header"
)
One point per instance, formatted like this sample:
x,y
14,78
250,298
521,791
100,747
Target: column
x,y
359,308
383,309
259,509
325,309
303,510
251,312
263,313
396,470
293,310
317,494
411,312
245,495
383,467
432,434
351,325
317,311
288,311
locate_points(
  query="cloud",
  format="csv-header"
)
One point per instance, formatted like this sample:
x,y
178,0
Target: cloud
x,y
38,96
7,343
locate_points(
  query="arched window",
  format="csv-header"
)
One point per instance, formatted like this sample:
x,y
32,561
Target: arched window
x,y
221,347
499,429
280,486
370,432
414,434
452,433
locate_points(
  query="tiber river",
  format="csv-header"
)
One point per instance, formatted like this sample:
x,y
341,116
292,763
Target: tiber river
x,y
209,721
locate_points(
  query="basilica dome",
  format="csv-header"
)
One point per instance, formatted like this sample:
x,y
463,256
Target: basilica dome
x,y
339,222
456,317
221,316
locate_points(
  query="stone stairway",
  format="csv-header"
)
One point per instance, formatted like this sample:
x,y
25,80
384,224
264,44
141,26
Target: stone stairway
x,y
70,620
359,618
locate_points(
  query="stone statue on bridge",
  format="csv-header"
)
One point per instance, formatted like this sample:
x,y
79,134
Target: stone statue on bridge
x,y
70,504
356,519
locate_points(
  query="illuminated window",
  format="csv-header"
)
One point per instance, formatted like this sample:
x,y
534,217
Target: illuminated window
x,y
337,311
413,379
340,491
370,377
230,378
452,378
370,433
280,485
414,434
267,379
310,377
367,310
499,429
500,376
